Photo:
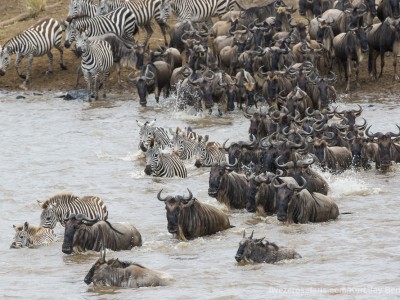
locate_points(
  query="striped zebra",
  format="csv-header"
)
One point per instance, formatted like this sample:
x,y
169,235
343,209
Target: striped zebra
x,y
121,21
144,10
97,60
201,10
79,8
163,164
59,207
208,153
184,147
37,40
148,132
32,236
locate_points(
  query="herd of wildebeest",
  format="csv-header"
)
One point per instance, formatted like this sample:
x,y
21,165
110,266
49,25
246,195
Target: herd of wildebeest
x,y
270,62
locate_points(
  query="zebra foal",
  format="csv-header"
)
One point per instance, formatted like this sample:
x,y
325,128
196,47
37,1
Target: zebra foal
x,y
59,207
97,60
37,40
32,236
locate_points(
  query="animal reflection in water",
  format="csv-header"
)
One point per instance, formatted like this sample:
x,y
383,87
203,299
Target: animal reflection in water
x,y
124,274
258,251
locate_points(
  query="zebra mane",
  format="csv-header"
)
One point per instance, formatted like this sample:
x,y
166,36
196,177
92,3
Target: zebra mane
x,y
31,229
59,198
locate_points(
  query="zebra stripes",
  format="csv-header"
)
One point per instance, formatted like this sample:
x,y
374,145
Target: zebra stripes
x,y
163,164
32,236
144,10
121,21
184,147
201,10
208,153
148,132
97,60
37,40
82,8
59,207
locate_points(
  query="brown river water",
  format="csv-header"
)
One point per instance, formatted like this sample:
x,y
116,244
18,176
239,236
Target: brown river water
x,y
50,145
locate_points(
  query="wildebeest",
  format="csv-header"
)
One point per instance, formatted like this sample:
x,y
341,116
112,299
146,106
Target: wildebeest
x,y
297,205
32,236
382,38
227,186
154,77
388,150
82,234
259,251
333,158
124,274
188,218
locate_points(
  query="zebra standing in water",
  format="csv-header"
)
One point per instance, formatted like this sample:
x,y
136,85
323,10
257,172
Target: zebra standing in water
x,y
144,10
97,59
208,153
37,40
59,207
121,21
32,236
201,10
148,132
183,146
163,164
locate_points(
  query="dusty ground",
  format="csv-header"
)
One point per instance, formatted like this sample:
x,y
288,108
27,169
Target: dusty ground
x,y
65,80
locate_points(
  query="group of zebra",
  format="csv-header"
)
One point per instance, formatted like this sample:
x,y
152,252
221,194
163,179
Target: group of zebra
x,y
123,18
185,144
56,209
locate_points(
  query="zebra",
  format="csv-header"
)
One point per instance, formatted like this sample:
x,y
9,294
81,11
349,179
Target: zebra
x,y
144,10
121,21
163,164
97,59
201,10
37,40
183,146
148,132
58,208
79,8
32,236
208,153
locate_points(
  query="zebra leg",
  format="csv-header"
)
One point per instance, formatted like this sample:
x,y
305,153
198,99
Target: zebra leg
x,y
163,27
96,85
61,50
106,75
78,73
28,68
17,62
86,75
149,31
50,68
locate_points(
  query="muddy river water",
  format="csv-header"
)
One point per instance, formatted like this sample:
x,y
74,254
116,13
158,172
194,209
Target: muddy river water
x,y
50,145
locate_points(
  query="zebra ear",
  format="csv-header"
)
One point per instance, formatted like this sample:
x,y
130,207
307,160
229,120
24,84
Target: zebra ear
x,y
206,138
40,203
151,123
26,225
15,228
244,233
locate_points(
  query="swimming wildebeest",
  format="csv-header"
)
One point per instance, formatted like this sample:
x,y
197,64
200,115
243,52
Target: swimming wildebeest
x,y
82,234
123,274
188,218
258,251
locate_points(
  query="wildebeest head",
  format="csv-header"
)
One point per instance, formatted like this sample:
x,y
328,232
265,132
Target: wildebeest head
x,y
284,194
254,183
173,206
320,148
216,174
96,266
247,251
385,146
21,235
235,149
145,83
71,226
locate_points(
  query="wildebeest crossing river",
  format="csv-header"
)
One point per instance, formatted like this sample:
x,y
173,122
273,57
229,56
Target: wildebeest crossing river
x,y
50,145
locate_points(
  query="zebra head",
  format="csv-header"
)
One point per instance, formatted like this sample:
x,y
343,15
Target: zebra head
x,y
74,9
70,34
21,236
82,43
5,57
103,7
48,218
165,10
145,133
178,141
152,157
200,151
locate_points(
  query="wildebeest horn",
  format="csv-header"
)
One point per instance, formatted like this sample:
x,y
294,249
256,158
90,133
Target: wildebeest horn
x,y
251,235
287,165
279,185
371,135
223,145
358,112
82,217
159,196
300,187
187,199
150,78
391,134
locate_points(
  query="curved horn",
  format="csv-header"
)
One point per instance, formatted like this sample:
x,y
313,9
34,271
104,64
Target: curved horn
x,y
223,145
391,134
159,196
369,134
187,199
